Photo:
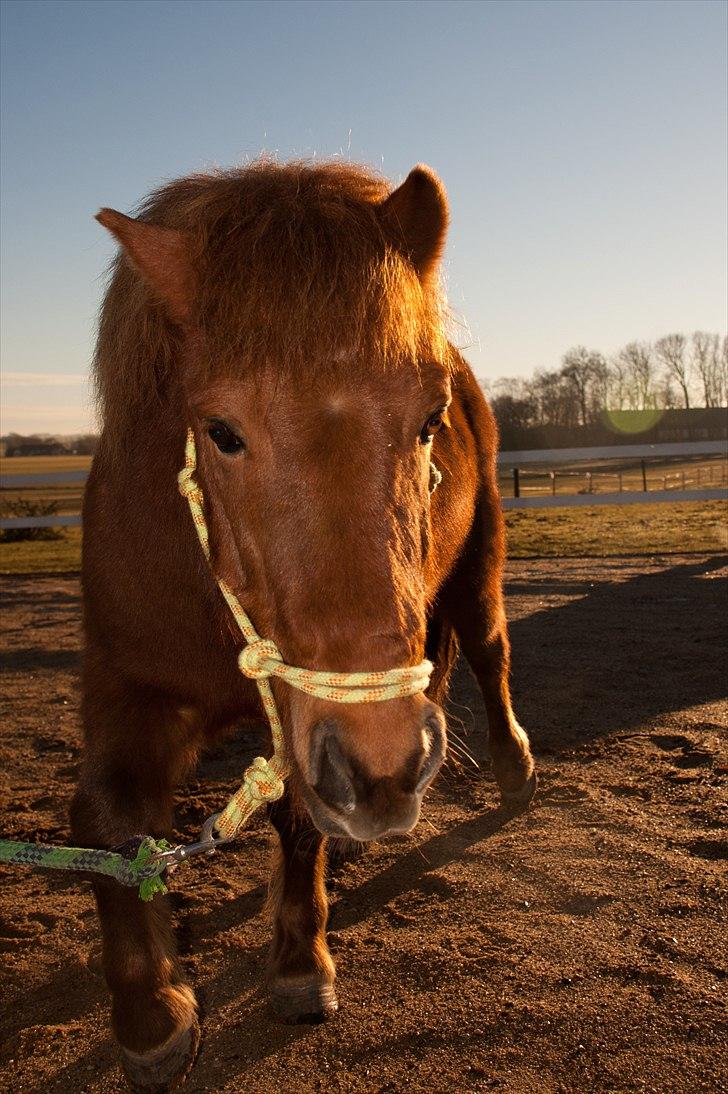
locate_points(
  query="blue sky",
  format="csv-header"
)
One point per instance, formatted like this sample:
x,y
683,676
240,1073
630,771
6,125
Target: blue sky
x,y
583,146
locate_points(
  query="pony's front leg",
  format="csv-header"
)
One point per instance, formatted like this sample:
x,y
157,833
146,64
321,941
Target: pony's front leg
x,y
134,754
301,972
472,602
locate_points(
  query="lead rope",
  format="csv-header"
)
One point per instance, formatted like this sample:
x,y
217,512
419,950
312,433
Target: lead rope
x,y
260,659
143,860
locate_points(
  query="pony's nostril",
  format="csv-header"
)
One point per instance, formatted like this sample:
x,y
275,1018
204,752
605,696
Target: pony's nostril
x,y
331,773
433,734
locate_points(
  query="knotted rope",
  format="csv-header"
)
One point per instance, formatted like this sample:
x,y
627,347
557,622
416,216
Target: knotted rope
x,y
142,870
261,659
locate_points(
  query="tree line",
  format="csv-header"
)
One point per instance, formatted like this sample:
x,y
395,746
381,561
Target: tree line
x,y
674,371
77,444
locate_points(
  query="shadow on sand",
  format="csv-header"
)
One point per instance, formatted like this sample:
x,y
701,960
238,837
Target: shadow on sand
x,y
625,653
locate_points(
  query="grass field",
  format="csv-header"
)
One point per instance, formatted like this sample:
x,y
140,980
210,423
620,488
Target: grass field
x,y
667,527
66,495
676,527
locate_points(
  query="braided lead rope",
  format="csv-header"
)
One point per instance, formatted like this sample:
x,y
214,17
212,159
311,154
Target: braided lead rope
x,y
143,870
261,659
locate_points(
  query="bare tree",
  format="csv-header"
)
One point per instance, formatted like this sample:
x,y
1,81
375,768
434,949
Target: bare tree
x,y
554,397
667,398
599,387
580,367
514,415
639,372
516,387
705,362
617,384
670,351
86,444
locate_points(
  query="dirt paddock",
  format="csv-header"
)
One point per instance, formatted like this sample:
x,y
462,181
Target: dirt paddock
x,y
580,946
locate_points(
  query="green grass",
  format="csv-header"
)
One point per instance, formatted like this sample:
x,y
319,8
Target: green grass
x,y
669,527
672,527
42,557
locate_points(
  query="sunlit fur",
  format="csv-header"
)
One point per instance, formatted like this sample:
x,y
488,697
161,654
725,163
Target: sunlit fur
x,y
304,302
293,266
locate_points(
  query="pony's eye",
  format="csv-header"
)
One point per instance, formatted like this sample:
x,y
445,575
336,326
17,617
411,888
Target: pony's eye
x,y
431,426
223,436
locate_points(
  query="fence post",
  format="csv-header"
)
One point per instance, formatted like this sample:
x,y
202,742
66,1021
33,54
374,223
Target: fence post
x,y
553,483
516,483
620,481
644,475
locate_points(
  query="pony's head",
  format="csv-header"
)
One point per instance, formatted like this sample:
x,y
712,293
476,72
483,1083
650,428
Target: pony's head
x,y
297,308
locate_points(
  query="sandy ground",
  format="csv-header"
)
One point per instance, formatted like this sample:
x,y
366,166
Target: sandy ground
x,y
579,947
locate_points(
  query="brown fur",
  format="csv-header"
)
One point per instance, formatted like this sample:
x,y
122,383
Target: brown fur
x,y
267,241
299,304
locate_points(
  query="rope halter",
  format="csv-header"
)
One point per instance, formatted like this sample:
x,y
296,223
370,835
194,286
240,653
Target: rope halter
x,y
260,660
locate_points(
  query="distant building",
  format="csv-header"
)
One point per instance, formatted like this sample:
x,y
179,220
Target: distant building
x,y
697,424
622,427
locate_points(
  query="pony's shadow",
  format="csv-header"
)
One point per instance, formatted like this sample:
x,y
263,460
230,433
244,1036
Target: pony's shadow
x,y
621,654
35,658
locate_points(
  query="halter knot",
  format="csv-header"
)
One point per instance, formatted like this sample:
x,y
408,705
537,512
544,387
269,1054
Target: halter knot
x,y
187,486
260,659
262,782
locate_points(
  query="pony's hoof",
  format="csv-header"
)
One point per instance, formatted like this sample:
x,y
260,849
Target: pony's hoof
x,y
312,1002
164,1068
513,800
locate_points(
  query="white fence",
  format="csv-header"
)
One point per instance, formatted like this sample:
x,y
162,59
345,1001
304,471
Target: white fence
x,y
514,460
643,452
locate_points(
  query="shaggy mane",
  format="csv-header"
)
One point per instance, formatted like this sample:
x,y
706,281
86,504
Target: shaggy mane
x,y
294,270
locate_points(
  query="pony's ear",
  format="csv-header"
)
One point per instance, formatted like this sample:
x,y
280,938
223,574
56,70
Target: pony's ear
x,y
161,255
415,216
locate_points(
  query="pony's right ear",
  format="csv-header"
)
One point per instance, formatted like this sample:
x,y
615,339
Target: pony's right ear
x,y
161,255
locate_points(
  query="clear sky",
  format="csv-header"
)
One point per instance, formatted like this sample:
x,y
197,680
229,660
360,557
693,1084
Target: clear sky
x,y
583,146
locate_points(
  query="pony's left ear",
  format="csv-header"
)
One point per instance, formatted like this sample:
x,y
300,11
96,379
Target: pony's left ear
x,y
415,216
161,255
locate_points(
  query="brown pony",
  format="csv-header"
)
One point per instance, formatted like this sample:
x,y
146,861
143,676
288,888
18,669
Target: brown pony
x,y
291,316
